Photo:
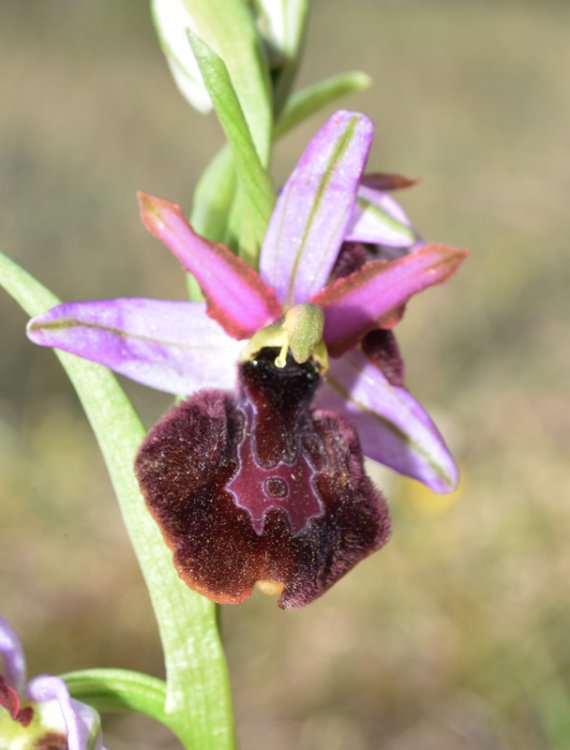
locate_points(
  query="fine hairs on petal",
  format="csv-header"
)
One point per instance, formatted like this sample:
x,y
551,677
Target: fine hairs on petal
x,y
223,540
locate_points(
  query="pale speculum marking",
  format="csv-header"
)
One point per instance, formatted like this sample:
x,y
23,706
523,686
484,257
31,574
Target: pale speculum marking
x,y
287,484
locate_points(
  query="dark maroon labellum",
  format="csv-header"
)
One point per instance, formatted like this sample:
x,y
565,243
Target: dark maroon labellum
x,y
261,488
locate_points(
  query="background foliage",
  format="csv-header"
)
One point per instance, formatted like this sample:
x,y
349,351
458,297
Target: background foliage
x,y
452,637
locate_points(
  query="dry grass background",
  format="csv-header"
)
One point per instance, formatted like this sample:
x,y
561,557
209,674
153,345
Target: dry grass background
x,y
455,636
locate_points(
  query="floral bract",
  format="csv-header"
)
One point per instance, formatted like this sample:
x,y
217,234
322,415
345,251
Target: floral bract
x,y
40,714
261,487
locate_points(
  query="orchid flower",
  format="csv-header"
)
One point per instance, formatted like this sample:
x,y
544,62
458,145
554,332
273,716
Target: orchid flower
x,y
40,715
259,487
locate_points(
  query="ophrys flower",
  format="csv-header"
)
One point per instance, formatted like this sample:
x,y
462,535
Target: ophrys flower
x,y
182,346
40,715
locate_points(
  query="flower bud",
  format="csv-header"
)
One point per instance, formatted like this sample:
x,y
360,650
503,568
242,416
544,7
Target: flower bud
x,y
171,20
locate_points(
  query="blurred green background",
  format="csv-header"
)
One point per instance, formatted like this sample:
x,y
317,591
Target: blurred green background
x,y
456,635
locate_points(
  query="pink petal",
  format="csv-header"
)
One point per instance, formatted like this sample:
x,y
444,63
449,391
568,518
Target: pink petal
x,y
393,428
43,689
171,346
12,662
237,298
355,304
379,220
314,208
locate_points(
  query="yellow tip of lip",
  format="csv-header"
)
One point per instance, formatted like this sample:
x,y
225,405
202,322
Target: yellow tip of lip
x,y
270,587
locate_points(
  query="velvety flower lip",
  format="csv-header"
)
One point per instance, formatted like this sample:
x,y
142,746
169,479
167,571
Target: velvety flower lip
x,y
180,347
223,510
41,713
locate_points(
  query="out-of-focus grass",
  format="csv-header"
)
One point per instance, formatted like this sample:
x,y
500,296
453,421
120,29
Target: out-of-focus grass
x,y
454,636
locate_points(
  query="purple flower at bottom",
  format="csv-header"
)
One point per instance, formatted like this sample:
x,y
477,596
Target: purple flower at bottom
x,y
263,487
40,715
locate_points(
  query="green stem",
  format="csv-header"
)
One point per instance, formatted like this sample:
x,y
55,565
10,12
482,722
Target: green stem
x,y
198,697
213,196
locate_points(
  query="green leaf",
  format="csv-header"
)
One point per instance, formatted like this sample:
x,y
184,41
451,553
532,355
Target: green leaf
x,y
198,701
311,99
228,29
255,186
213,197
119,690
